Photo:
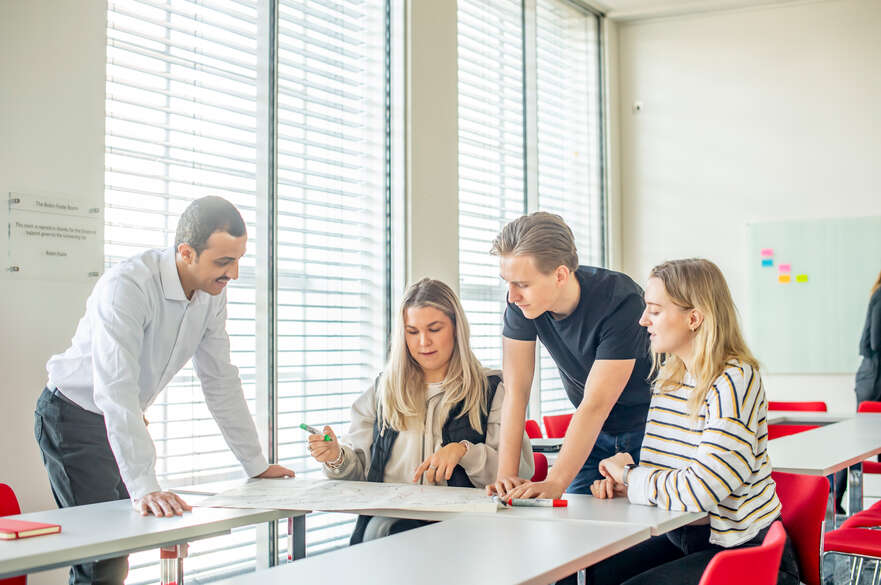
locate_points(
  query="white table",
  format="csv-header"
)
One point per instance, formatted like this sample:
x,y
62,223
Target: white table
x,y
804,417
581,508
831,448
111,529
468,549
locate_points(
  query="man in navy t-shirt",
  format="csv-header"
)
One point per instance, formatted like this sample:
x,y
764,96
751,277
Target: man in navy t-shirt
x,y
588,320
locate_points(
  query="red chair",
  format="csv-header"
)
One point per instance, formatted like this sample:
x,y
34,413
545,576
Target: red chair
x,y
541,467
9,507
556,425
858,543
803,406
757,565
533,431
870,406
804,498
782,430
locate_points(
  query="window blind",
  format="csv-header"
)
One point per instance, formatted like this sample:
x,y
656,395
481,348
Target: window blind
x,y
568,120
491,161
183,107
331,225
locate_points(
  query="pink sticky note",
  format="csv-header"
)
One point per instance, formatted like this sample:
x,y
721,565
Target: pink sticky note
x,y
767,252
784,268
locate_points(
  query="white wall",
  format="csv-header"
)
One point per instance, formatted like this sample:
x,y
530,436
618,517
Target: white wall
x,y
766,113
51,142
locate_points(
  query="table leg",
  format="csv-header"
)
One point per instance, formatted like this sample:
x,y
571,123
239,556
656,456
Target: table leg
x,y
296,538
855,488
581,577
171,563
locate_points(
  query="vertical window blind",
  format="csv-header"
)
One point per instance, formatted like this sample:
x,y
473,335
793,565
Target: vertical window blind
x,y
182,110
492,117
491,158
331,225
569,137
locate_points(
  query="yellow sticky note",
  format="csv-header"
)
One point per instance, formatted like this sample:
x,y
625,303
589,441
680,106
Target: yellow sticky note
x,y
784,278
801,278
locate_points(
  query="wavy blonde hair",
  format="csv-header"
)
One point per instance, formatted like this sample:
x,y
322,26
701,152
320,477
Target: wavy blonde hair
x,y
402,384
695,283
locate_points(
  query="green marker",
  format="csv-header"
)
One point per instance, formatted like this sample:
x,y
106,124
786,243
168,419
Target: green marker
x,y
314,431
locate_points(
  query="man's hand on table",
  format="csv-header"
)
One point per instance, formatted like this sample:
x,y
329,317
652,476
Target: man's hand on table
x,y
161,504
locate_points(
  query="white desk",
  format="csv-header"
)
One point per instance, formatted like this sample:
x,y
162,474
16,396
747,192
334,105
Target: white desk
x,y
831,448
111,529
782,417
581,508
469,549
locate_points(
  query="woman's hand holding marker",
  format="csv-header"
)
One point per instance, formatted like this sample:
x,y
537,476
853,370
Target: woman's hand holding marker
x,y
323,446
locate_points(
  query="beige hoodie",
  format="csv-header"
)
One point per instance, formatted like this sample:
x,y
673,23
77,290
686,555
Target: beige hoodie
x,y
412,447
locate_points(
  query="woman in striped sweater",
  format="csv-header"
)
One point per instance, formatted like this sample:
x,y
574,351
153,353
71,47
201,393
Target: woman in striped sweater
x,y
705,446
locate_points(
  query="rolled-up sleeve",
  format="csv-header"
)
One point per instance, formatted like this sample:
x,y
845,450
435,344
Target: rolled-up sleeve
x,y
224,397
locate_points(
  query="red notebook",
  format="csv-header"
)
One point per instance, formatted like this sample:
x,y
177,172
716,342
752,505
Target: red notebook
x,y
12,529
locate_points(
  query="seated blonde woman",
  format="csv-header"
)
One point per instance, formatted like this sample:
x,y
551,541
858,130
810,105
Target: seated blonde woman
x,y
705,446
431,417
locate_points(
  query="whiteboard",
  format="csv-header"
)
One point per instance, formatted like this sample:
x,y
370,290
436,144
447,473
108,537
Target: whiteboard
x,y
812,323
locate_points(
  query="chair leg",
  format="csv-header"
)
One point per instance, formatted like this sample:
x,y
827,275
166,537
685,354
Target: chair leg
x,y
875,574
853,568
859,571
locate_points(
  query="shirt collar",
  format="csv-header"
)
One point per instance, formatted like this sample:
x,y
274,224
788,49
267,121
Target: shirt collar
x,y
171,285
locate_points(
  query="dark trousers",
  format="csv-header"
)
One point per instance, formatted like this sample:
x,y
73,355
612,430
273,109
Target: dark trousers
x,y
679,557
606,445
82,470
867,387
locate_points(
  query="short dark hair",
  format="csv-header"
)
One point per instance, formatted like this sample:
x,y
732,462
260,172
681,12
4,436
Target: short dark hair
x,y
205,216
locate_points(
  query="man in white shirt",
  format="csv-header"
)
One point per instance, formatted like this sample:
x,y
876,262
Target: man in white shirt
x,y
146,317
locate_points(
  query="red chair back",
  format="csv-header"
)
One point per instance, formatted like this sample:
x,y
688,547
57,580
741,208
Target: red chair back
x,y
556,425
803,406
757,565
869,406
9,507
804,500
533,431
541,467
777,431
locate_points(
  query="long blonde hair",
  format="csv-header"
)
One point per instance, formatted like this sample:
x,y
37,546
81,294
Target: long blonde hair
x,y
402,384
695,283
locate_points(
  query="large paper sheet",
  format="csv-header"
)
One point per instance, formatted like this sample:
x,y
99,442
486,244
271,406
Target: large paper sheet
x,y
328,495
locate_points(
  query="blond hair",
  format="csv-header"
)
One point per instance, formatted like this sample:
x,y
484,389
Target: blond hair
x,y
877,284
542,235
695,283
402,384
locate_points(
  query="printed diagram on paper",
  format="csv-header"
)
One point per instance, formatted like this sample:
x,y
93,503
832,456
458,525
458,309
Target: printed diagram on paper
x,y
334,495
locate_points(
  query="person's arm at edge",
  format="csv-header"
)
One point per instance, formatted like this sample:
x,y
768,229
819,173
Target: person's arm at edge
x,y
604,385
518,369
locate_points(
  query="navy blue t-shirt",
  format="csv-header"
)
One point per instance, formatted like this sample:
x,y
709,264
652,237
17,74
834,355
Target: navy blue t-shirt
x,y
604,326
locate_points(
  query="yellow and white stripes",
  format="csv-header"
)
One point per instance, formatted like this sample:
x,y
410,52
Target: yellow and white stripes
x,y
717,463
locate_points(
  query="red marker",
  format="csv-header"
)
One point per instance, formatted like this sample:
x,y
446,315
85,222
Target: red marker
x,y
538,502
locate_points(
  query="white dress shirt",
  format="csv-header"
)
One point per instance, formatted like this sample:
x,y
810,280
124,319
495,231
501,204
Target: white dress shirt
x,y
139,330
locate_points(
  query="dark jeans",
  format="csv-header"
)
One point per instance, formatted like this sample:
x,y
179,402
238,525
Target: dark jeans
x,y
606,445
678,557
82,470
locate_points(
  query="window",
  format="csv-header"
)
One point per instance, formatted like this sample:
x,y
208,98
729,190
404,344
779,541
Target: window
x,y
491,158
186,113
331,226
539,73
569,137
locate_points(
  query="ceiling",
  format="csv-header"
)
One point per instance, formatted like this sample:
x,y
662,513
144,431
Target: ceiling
x,y
633,9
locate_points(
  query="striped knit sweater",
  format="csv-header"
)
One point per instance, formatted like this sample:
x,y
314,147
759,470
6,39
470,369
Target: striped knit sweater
x,y
718,463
